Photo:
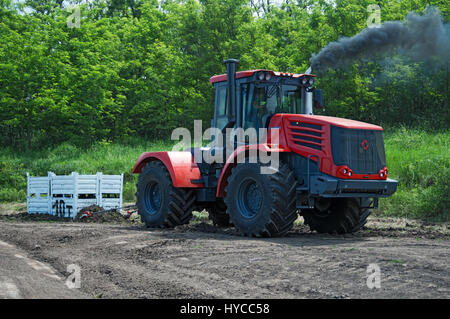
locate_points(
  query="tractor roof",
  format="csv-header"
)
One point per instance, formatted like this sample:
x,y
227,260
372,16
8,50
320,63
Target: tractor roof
x,y
245,74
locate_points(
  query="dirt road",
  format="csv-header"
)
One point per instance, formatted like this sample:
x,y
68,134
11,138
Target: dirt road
x,y
25,277
124,260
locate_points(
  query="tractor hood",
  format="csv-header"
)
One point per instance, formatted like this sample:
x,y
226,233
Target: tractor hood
x,y
337,121
334,143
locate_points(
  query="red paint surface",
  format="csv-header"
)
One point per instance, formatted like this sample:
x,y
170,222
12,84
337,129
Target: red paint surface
x,y
181,166
232,161
286,144
326,163
245,74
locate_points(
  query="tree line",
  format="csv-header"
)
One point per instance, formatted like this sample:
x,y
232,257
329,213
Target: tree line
x,y
141,67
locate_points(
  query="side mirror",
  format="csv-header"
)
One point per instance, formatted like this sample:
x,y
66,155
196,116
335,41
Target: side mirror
x,y
318,99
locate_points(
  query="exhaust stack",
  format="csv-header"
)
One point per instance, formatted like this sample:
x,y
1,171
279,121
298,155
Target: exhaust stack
x,y
307,99
231,89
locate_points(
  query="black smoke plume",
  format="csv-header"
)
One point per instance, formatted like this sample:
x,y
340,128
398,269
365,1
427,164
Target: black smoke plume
x,y
419,36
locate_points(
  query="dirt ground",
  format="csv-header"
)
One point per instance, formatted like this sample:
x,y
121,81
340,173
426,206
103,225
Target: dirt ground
x,y
119,258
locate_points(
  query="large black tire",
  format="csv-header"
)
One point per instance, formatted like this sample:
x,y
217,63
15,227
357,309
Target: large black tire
x,y
218,214
261,205
159,203
342,216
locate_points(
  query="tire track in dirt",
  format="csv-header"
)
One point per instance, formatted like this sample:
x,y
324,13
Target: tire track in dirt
x,y
198,261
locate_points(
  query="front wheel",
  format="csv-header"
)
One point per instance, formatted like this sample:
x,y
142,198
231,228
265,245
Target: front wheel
x,y
261,205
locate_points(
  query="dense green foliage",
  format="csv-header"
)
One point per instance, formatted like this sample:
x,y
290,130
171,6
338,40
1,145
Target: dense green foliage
x,y
141,67
93,98
419,160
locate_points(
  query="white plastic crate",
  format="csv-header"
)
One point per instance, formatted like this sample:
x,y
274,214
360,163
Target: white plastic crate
x,y
65,196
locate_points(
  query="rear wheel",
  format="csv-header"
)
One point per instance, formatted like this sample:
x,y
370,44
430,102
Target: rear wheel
x,y
159,203
338,215
261,204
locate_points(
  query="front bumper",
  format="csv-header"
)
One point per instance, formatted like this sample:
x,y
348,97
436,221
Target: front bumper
x,y
328,186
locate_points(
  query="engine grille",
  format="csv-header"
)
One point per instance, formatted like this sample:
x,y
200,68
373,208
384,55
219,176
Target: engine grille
x,y
361,150
306,134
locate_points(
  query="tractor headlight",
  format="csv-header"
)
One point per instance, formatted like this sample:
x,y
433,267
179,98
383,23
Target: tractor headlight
x,y
304,81
261,76
268,76
311,81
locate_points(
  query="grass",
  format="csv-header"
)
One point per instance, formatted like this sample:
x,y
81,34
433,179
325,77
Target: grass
x,y
12,207
419,160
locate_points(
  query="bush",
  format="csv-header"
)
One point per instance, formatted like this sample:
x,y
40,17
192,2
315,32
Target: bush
x,y
13,181
12,195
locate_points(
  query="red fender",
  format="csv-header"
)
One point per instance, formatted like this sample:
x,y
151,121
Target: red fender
x,y
181,166
231,162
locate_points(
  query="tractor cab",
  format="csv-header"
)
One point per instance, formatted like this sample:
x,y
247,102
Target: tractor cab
x,y
251,98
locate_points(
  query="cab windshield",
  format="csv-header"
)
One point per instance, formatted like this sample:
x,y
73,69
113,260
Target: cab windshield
x,y
261,101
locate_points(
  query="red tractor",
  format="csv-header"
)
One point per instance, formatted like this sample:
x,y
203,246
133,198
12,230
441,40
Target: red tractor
x,y
330,170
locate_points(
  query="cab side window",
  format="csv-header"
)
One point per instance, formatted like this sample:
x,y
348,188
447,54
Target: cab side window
x,y
221,107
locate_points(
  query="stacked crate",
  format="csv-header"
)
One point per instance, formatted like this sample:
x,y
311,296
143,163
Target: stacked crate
x,y
65,196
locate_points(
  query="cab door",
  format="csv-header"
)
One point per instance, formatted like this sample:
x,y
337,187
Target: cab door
x,y
220,112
